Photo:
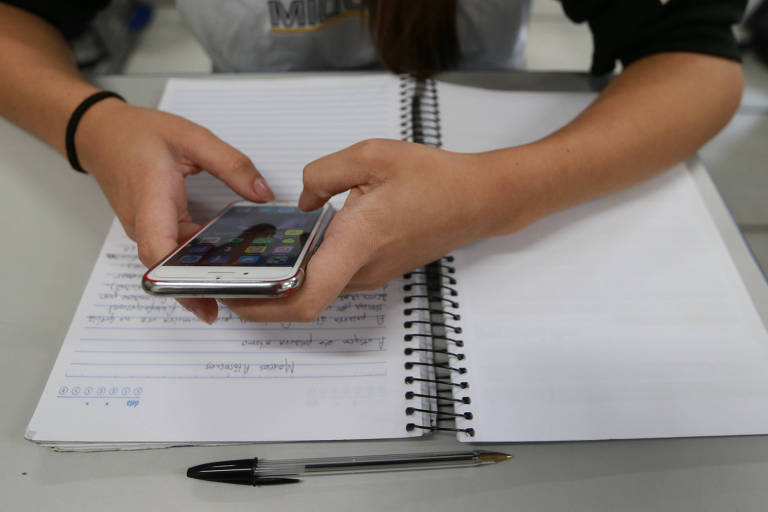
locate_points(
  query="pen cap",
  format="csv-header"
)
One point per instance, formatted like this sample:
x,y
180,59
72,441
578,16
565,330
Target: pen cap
x,y
240,471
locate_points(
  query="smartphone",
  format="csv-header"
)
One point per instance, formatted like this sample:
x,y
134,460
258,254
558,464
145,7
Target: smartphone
x,y
249,250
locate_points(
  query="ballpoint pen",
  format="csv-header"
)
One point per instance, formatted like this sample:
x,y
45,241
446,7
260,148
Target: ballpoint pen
x,y
269,472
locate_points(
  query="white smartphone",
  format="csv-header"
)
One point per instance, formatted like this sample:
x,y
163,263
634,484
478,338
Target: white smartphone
x,y
249,250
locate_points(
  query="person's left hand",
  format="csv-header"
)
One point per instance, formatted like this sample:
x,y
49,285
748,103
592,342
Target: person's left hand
x,y
408,205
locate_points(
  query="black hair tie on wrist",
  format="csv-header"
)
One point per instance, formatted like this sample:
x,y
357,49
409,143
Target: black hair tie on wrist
x,y
82,108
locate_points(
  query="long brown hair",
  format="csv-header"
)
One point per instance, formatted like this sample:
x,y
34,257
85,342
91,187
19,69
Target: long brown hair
x,y
417,37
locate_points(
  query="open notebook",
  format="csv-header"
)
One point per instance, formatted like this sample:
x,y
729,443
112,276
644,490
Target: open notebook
x,y
623,317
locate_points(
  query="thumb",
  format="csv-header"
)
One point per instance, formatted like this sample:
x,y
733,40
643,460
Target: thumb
x,y
336,173
228,164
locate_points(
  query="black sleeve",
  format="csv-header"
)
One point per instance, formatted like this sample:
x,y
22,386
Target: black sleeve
x,y
71,18
628,30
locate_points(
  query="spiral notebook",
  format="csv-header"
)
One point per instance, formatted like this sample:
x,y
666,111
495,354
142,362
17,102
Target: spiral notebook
x,y
621,318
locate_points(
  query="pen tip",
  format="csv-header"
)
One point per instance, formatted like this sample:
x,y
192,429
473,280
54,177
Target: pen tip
x,y
493,457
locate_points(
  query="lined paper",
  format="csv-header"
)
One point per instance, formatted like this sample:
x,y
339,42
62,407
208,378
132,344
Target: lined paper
x,y
624,317
282,125
137,370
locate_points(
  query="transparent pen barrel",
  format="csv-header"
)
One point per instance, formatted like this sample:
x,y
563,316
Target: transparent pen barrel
x,y
364,464
267,468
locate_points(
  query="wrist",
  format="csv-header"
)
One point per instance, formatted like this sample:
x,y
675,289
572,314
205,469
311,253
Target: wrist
x,y
95,129
515,187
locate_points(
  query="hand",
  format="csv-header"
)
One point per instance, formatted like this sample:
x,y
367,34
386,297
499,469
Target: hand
x,y
140,158
408,205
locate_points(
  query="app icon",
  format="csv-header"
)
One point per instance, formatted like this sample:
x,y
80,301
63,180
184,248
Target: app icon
x,y
235,240
277,260
210,239
219,258
226,248
190,259
262,240
293,232
200,249
255,249
282,249
288,241
248,260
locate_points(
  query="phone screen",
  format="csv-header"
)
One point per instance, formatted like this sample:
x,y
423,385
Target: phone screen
x,y
250,236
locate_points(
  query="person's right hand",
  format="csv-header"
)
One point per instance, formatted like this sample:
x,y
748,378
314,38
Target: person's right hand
x,y
140,158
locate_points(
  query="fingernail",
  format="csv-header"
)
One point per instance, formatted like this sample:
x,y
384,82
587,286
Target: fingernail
x,y
202,314
262,189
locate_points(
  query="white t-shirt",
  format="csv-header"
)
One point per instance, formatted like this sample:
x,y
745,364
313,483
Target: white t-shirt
x,y
293,35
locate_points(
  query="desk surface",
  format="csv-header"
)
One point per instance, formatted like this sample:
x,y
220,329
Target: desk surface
x,y
53,224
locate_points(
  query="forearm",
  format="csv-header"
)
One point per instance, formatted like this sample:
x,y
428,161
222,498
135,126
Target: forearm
x,y
40,85
658,112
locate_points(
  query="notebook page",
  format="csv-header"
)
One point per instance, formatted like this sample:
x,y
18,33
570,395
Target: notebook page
x,y
140,369
621,318
282,124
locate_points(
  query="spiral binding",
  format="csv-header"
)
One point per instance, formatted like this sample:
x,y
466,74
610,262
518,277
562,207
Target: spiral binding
x,y
426,114
432,342
441,384
408,97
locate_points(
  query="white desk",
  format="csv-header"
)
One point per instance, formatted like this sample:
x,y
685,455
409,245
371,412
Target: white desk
x,y
52,225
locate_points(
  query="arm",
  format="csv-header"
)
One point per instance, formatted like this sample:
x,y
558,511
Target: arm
x,y
40,85
658,112
138,156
